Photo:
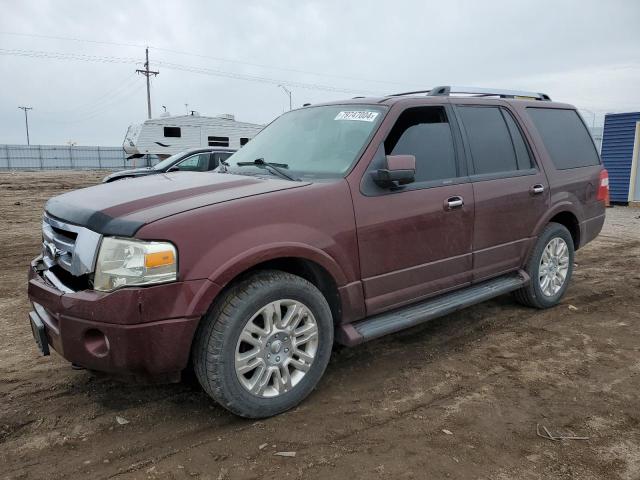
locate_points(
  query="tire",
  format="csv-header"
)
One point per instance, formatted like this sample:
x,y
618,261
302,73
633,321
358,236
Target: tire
x,y
246,307
532,295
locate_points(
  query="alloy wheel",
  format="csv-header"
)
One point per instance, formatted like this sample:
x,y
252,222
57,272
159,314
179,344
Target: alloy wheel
x,y
276,348
554,266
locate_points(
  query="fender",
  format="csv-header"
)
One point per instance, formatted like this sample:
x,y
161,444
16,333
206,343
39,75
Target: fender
x,y
233,267
262,253
563,206
351,294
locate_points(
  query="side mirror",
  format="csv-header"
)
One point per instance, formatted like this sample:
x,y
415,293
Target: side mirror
x,y
400,170
173,168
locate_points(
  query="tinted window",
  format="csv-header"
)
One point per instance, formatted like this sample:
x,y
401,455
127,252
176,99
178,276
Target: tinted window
x,y
489,140
424,133
523,155
565,137
172,132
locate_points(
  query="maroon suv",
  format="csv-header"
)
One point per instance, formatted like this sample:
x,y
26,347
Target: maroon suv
x,y
338,222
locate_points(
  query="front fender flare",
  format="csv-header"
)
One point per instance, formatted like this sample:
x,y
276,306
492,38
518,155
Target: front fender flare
x,y
234,266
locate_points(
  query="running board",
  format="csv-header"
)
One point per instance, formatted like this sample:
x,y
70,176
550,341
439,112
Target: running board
x,y
415,314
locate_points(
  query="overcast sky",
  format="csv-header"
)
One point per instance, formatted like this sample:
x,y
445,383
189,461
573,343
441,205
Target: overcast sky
x,y
583,52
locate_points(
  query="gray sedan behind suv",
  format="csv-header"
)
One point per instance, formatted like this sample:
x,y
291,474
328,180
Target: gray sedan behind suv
x,y
194,160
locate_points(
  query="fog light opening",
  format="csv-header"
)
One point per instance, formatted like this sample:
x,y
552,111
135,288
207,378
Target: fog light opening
x,y
96,343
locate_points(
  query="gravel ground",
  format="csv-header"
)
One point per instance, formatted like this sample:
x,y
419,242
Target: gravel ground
x,y
459,397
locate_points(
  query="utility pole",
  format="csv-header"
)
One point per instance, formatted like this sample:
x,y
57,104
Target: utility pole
x,y
288,92
147,73
26,120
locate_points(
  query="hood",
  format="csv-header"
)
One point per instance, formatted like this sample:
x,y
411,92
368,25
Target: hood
x,y
133,172
121,208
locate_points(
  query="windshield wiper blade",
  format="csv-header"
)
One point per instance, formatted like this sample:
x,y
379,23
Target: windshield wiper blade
x,y
274,167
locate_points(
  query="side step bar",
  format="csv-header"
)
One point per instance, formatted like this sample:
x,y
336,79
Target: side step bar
x,y
412,315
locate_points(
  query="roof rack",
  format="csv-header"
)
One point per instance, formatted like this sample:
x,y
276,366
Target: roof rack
x,y
478,92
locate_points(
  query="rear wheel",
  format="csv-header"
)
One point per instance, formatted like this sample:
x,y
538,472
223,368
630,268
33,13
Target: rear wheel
x,y
265,344
550,267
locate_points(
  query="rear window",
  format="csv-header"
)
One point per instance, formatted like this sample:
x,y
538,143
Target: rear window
x,y
565,137
490,140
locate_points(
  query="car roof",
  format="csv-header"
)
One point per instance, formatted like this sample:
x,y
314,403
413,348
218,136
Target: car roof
x,y
426,100
451,94
206,149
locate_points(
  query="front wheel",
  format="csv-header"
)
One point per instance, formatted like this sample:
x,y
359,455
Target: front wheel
x,y
550,267
264,346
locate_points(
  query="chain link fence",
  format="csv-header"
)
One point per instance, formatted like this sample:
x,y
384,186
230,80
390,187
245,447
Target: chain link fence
x,y
51,157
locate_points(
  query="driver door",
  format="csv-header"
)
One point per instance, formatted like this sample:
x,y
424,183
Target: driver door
x,y
416,241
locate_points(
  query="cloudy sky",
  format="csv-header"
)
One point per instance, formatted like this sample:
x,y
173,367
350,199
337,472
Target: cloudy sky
x,y
230,56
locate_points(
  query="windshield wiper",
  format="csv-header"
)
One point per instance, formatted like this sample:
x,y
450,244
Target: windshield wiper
x,y
273,167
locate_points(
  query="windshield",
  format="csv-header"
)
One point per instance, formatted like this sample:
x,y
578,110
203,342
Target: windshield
x,y
166,163
317,142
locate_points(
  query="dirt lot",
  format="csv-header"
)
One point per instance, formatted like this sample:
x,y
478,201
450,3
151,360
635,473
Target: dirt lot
x,y
457,398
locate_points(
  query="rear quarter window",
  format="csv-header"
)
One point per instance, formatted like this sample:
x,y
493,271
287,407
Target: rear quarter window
x,y
565,137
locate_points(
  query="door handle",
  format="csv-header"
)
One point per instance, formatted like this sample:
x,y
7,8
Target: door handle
x,y
537,189
452,203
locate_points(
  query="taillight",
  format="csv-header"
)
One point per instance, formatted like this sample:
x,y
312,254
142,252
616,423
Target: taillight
x,y
603,186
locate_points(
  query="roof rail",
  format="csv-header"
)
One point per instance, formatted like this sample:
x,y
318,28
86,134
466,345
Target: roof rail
x,y
415,92
479,92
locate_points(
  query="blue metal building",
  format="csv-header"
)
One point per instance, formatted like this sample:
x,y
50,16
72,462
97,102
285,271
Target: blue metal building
x,y
617,152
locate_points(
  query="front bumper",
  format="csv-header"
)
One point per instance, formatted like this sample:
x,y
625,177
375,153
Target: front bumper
x,y
139,331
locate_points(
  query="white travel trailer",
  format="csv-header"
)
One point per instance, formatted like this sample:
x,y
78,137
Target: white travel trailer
x,y
167,134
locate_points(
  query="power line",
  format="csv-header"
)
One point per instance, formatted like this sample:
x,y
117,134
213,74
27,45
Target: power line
x,y
97,102
209,57
123,95
271,67
67,56
82,40
185,68
261,79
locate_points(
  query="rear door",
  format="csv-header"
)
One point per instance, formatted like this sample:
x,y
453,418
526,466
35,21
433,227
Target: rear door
x,y
415,241
511,192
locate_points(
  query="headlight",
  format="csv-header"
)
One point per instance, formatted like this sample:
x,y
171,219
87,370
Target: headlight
x,y
125,262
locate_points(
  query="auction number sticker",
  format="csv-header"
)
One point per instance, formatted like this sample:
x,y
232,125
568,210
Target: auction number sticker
x,y
361,116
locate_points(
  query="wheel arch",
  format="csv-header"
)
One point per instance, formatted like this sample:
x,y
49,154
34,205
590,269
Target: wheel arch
x,y
313,265
310,271
564,214
570,221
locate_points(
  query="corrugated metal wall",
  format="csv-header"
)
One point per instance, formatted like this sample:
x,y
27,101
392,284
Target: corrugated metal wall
x,y
617,151
47,157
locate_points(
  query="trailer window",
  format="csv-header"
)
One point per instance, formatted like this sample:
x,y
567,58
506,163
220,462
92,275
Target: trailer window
x,y
172,132
218,141
243,141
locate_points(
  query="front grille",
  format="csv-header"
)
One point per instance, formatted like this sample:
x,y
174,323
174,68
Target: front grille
x,y
70,247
